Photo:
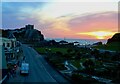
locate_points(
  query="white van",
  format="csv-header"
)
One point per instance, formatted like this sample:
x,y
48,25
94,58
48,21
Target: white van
x,y
24,68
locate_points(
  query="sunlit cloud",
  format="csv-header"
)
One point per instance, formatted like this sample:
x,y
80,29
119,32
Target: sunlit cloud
x,y
64,19
99,34
101,22
51,11
97,22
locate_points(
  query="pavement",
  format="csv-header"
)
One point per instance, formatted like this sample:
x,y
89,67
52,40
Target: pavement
x,y
39,70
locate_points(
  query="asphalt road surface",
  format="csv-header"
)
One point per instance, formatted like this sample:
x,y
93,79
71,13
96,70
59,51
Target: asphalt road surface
x,y
39,70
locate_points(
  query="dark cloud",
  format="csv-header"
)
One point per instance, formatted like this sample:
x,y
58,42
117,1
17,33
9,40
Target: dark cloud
x,y
12,16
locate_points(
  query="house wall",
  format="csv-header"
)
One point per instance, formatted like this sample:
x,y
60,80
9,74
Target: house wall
x,y
3,64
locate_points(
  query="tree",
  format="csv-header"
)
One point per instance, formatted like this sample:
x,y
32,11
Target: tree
x,y
89,66
96,53
78,56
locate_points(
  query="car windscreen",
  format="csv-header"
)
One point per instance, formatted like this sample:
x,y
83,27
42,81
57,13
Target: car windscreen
x,y
24,68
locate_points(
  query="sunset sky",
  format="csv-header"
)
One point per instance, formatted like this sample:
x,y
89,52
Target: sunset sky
x,y
83,20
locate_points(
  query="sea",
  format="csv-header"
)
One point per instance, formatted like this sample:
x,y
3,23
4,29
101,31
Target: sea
x,y
81,41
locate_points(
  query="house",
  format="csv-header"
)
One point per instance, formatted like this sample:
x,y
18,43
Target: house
x,y
7,54
8,43
63,42
9,47
76,43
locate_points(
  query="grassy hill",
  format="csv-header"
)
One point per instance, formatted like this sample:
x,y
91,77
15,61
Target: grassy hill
x,y
114,46
113,43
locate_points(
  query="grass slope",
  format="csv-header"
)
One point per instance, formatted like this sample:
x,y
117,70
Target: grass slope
x,y
111,46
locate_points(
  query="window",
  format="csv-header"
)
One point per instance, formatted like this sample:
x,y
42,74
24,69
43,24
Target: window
x,y
12,44
4,44
8,44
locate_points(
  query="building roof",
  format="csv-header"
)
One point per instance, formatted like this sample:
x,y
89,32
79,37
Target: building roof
x,y
11,36
62,41
2,39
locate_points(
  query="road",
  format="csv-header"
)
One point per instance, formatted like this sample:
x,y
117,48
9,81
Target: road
x,y
40,70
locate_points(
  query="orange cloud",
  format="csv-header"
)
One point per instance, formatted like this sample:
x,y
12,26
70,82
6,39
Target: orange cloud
x,y
95,22
69,28
99,34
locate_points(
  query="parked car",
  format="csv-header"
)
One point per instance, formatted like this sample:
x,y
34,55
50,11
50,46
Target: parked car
x,y
12,64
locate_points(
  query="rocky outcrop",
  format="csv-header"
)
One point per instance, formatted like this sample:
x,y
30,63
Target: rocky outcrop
x,y
29,34
98,43
115,38
26,34
33,35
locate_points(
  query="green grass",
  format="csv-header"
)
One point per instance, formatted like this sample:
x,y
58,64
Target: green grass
x,y
112,47
76,63
52,50
60,49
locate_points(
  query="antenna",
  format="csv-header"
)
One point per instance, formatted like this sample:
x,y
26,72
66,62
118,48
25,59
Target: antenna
x,y
64,38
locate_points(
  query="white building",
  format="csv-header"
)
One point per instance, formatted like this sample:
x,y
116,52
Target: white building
x,y
9,47
8,43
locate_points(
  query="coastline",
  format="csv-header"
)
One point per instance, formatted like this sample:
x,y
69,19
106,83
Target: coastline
x,y
81,41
